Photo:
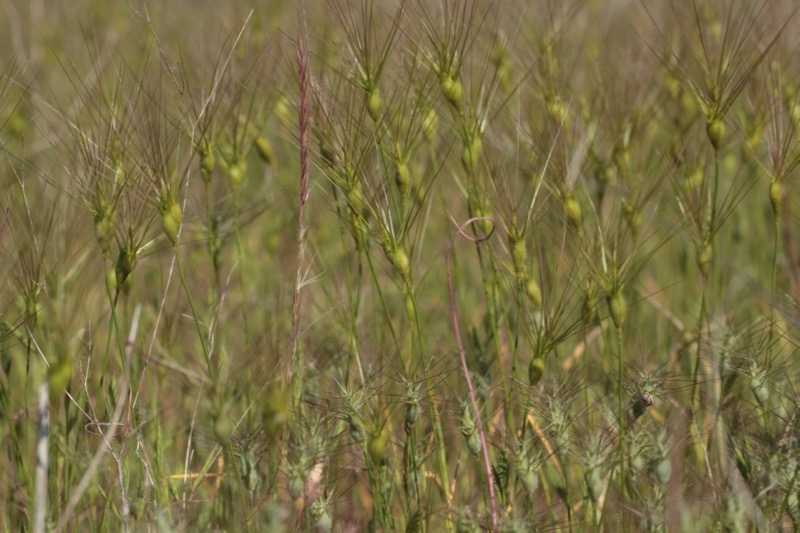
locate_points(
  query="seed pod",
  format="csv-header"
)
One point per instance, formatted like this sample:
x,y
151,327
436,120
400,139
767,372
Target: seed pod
x,y
617,308
399,259
105,224
776,196
413,410
452,90
355,199
402,177
126,262
320,516
357,431
573,210
429,125
535,371
378,440
111,280
594,483
693,181
236,174
171,218
276,410
264,149
663,471
472,151
374,104
534,292
469,430
715,130
530,480
297,481
705,254
519,253
758,383
207,163
632,216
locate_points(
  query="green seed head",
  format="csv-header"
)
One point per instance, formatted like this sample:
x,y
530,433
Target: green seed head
x,y
715,130
276,410
429,125
357,431
519,253
536,371
452,90
105,224
413,409
573,210
399,259
207,163
236,174
378,440
264,149
171,218
694,181
111,280
472,151
622,160
126,262
556,109
533,291
594,483
776,196
663,471
374,104
617,308
402,177
297,481
705,254
633,216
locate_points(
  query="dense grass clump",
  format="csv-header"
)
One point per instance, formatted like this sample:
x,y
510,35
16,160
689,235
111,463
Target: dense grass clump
x,y
399,265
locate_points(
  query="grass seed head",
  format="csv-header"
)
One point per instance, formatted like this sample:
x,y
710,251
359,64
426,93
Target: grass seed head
x,y
535,370
374,104
452,90
171,218
378,440
572,208
236,171
776,192
617,307
429,125
705,254
715,130
533,291
264,149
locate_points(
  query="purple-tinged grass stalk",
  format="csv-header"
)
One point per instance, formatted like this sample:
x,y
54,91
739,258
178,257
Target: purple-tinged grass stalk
x,y
487,462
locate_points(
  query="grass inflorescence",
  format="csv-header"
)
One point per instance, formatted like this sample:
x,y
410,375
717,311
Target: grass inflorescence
x,y
400,265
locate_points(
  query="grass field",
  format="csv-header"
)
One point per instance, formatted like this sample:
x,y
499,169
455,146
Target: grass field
x,y
399,265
